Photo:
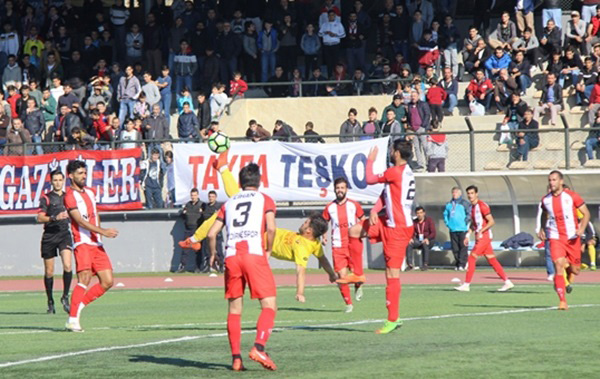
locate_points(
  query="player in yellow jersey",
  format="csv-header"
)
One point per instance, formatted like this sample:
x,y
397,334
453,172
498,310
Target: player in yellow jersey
x,y
589,239
290,246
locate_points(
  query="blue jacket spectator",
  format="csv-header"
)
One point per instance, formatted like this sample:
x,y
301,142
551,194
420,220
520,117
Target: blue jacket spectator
x,y
187,124
497,62
457,214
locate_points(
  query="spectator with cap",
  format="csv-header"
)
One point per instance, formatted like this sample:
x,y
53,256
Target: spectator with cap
x,y
575,32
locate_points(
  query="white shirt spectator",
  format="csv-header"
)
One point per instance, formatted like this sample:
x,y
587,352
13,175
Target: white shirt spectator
x,y
9,43
218,102
133,135
57,92
152,93
335,28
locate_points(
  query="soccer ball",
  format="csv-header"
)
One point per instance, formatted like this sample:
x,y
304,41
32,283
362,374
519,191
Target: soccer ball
x,y
218,142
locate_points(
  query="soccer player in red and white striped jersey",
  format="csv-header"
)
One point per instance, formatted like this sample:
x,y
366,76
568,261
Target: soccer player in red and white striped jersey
x,y
481,223
343,213
248,215
564,230
90,257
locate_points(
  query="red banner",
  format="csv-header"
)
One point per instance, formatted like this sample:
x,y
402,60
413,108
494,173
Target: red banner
x,y
113,174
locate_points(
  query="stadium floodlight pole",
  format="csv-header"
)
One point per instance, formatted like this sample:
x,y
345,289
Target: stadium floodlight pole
x,y
567,142
471,142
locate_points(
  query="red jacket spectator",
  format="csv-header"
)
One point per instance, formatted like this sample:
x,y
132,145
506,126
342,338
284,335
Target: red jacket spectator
x,y
595,96
13,101
478,89
436,95
103,130
425,227
237,88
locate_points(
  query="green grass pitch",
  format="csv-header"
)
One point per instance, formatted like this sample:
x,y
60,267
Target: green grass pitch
x,y
181,333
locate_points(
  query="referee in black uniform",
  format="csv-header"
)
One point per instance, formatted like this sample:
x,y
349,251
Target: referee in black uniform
x,y
56,238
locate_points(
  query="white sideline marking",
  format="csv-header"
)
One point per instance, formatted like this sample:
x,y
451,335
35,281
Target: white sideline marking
x,y
300,327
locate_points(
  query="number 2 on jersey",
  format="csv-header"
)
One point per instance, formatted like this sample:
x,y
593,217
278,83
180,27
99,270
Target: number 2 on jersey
x,y
243,210
410,194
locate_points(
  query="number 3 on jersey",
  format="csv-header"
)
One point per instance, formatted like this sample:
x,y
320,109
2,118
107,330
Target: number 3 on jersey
x,y
243,213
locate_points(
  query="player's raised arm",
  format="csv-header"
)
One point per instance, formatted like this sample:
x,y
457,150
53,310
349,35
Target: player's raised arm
x,y
76,216
213,232
324,262
585,220
369,175
270,223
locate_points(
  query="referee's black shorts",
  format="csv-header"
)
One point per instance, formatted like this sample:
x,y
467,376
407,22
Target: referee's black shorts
x,y
54,243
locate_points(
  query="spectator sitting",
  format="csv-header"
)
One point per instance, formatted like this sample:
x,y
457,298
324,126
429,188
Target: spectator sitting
x,y
350,129
184,97
528,44
339,74
593,140
515,111
555,65
480,89
589,77
399,109
256,132
204,114
429,75
519,69
551,99
450,85
237,86
316,89
80,140
389,85
129,134
277,90
218,101
576,32
594,101
151,176
16,137
141,109
436,149
372,127
330,90
593,31
436,96
476,60
470,43
505,34
504,87
284,132
428,50
551,40
423,238
359,83
528,139
296,86
187,124
500,60
572,67
310,135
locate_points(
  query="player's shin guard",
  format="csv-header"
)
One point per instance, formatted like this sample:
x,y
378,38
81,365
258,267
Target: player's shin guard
x,y
559,286
345,291
93,293
264,327
76,299
592,254
497,267
67,277
234,332
49,285
471,269
356,255
392,297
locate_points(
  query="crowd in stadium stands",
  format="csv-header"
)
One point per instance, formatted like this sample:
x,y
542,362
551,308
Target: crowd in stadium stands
x,y
94,77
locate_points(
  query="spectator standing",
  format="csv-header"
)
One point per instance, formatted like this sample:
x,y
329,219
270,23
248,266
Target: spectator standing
x,y
185,65
284,132
229,47
457,218
187,124
218,101
593,140
165,85
12,75
551,10
392,127
419,121
593,31
524,13
423,6
183,97
34,122
130,134
268,44
332,33
16,137
153,41
134,43
288,47
128,91
204,114
436,96
448,41
355,43
151,90
13,99
250,52
310,135
152,176
436,149
48,106
551,99
9,44
504,87
527,139
588,9
155,127
237,86
594,102
170,168
372,127
310,45
256,132
350,130
277,90
423,238
399,109
4,129
208,210
176,35
118,18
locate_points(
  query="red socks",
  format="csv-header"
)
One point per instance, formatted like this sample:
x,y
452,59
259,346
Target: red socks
x,y
76,298
497,267
356,255
471,269
93,293
559,286
264,326
345,291
234,332
392,297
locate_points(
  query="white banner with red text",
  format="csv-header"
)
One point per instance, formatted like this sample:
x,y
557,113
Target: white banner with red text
x,y
289,171
113,174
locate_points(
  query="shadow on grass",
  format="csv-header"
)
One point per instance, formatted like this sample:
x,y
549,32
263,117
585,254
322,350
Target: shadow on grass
x,y
32,328
23,313
519,278
317,328
298,309
177,362
517,291
501,306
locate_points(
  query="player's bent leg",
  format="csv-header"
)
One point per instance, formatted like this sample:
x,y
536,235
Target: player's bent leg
x,y
231,185
202,231
49,283
264,327
83,277
493,261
